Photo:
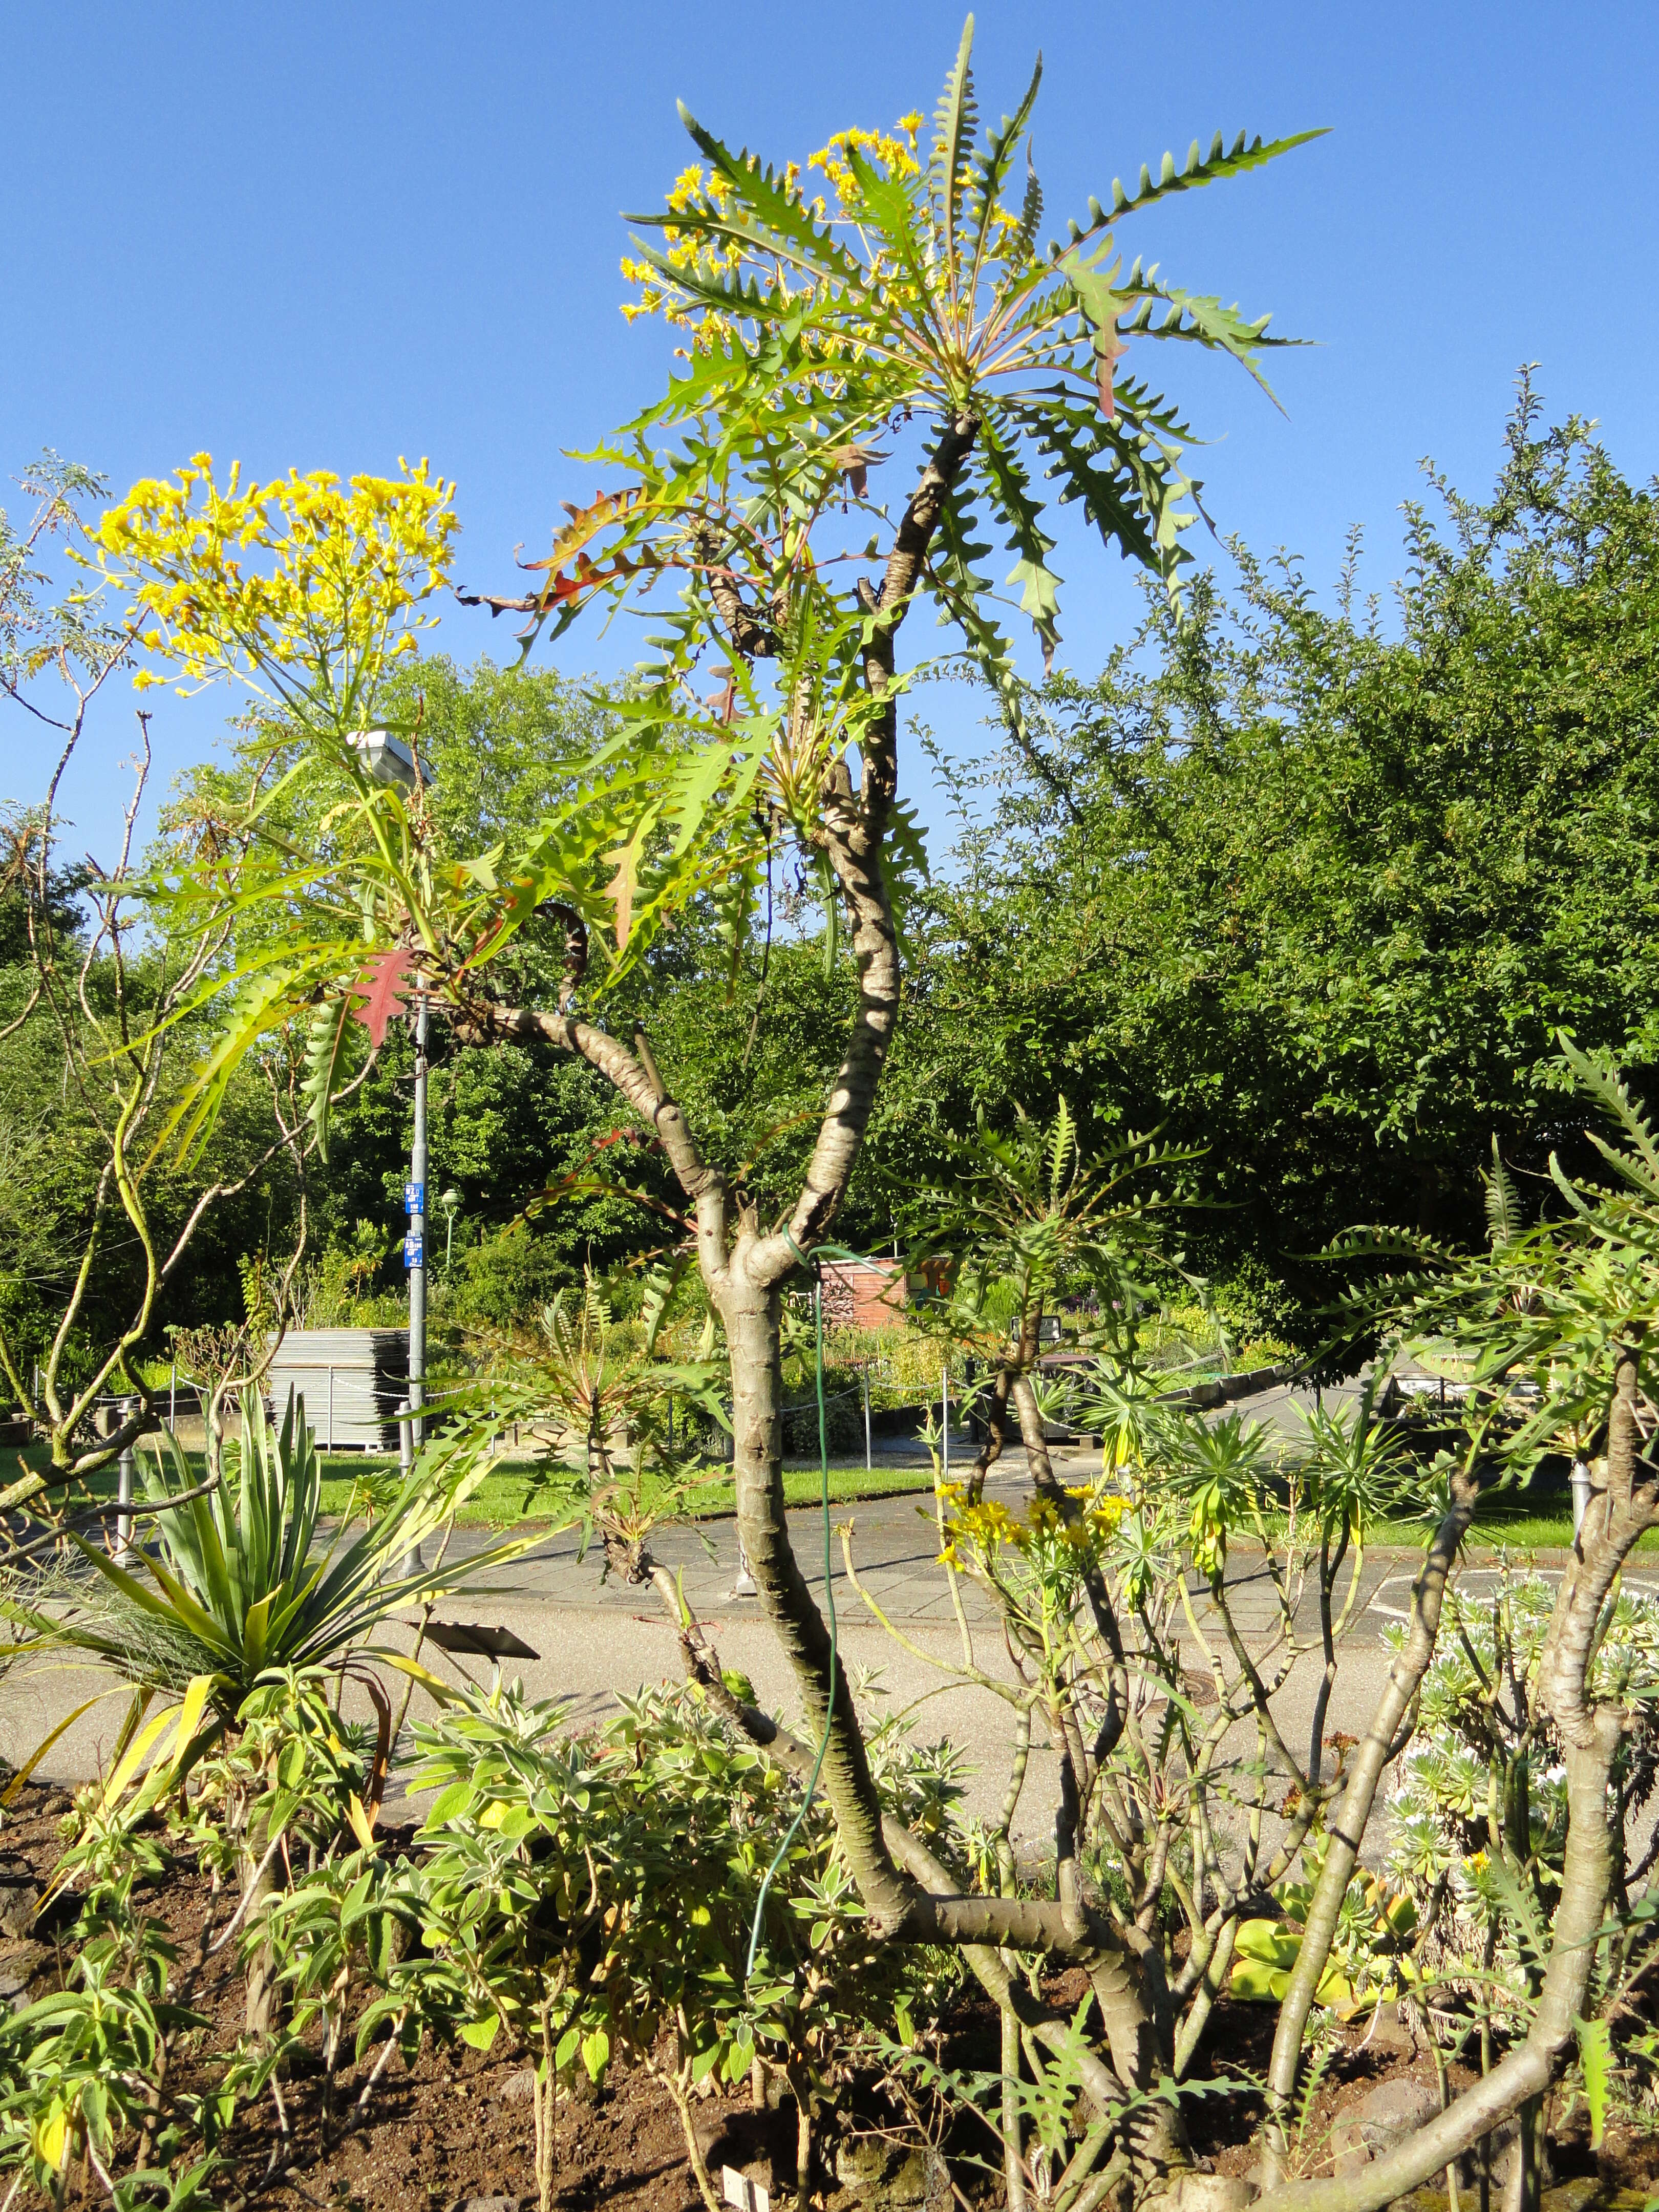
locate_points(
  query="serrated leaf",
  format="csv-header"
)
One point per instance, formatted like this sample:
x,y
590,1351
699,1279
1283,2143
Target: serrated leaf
x,y
384,987
330,1049
1595,2063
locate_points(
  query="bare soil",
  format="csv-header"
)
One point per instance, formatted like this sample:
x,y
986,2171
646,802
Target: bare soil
x,y
458,2126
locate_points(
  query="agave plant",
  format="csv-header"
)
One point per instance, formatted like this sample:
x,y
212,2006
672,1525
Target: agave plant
x,y
231,1587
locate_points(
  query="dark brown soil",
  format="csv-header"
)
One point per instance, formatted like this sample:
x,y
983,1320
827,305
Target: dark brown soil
x,y
460,2124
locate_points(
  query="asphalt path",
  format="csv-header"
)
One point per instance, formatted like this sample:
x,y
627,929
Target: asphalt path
x,y
599,1640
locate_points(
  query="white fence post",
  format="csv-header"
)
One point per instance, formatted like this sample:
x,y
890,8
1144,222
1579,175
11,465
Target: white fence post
x,y
864,1377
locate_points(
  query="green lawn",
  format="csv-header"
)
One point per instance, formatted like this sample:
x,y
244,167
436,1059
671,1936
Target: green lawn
x,y
519,1490
515,1493
1517,1526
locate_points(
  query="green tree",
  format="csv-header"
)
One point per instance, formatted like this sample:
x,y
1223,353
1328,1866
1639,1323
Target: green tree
x,y
1314,890
96,1022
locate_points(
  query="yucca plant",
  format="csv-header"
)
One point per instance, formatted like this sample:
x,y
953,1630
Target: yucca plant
x,y
230,1586
230,1598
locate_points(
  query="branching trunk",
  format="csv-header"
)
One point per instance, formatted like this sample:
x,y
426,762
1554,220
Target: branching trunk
x,y
1348,1831
1590,1735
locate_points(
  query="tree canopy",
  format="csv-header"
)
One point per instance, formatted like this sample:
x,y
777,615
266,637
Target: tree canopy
x,y
1317,887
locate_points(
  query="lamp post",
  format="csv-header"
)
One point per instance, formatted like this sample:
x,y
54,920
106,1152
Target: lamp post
x,y
415,1241
449,1201
390,762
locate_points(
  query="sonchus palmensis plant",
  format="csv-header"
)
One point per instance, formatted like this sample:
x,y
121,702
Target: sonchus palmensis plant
x,y
888,315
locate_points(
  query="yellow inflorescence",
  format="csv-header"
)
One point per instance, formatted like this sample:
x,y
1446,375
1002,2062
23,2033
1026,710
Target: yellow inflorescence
x,y
697,191
982,1528
309,583
898,155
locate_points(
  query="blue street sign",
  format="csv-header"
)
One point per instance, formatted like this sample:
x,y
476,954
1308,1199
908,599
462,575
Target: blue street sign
x,y
414,1197
413,1250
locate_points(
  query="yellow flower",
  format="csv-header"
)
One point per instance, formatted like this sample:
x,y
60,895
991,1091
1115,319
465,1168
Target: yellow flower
x,y
328,596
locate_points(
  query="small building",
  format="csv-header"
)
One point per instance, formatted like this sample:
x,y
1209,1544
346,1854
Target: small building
x,y
864,1293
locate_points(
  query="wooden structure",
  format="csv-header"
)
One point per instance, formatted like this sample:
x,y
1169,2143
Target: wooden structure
x,y
864,1293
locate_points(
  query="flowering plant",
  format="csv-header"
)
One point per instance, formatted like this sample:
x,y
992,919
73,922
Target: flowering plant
x,y
303,589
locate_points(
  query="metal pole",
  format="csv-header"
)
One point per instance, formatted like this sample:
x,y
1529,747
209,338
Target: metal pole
x,y
1581,1496
944,1425
864,1377
412,1562
415,1243
124,1474
172,1400
331,1409
414,1254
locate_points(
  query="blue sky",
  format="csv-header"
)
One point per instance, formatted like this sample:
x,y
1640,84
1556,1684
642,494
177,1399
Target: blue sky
x,y
327,234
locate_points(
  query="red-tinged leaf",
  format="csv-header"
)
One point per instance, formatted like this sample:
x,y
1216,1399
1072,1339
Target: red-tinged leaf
x,y
622,886
621,891
586,523
519,904
385,989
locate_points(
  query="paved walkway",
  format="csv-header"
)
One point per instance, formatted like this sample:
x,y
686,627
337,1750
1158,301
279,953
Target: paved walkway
x,y
596,1640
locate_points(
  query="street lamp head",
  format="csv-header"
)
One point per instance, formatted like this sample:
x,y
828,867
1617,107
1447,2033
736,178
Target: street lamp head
x,y
389,761
449,1199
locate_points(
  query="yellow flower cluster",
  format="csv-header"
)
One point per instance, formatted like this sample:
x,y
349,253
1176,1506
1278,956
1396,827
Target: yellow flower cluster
x,y
302,584
898,155
696,191
1042,1532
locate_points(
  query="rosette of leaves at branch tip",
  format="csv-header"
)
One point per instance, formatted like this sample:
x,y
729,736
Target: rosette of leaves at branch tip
x,y
909,303
621,1428
1034,1218
1540,1318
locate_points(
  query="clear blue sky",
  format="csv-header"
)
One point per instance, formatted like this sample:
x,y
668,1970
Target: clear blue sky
x,y
325,234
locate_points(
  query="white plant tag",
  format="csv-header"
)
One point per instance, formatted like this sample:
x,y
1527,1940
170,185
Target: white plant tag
x,y
746,2194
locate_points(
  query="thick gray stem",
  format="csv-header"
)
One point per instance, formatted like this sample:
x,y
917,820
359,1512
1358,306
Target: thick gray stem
x,y
751,1315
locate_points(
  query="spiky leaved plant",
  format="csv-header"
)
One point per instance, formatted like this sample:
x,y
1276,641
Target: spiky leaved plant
x,y
906,317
